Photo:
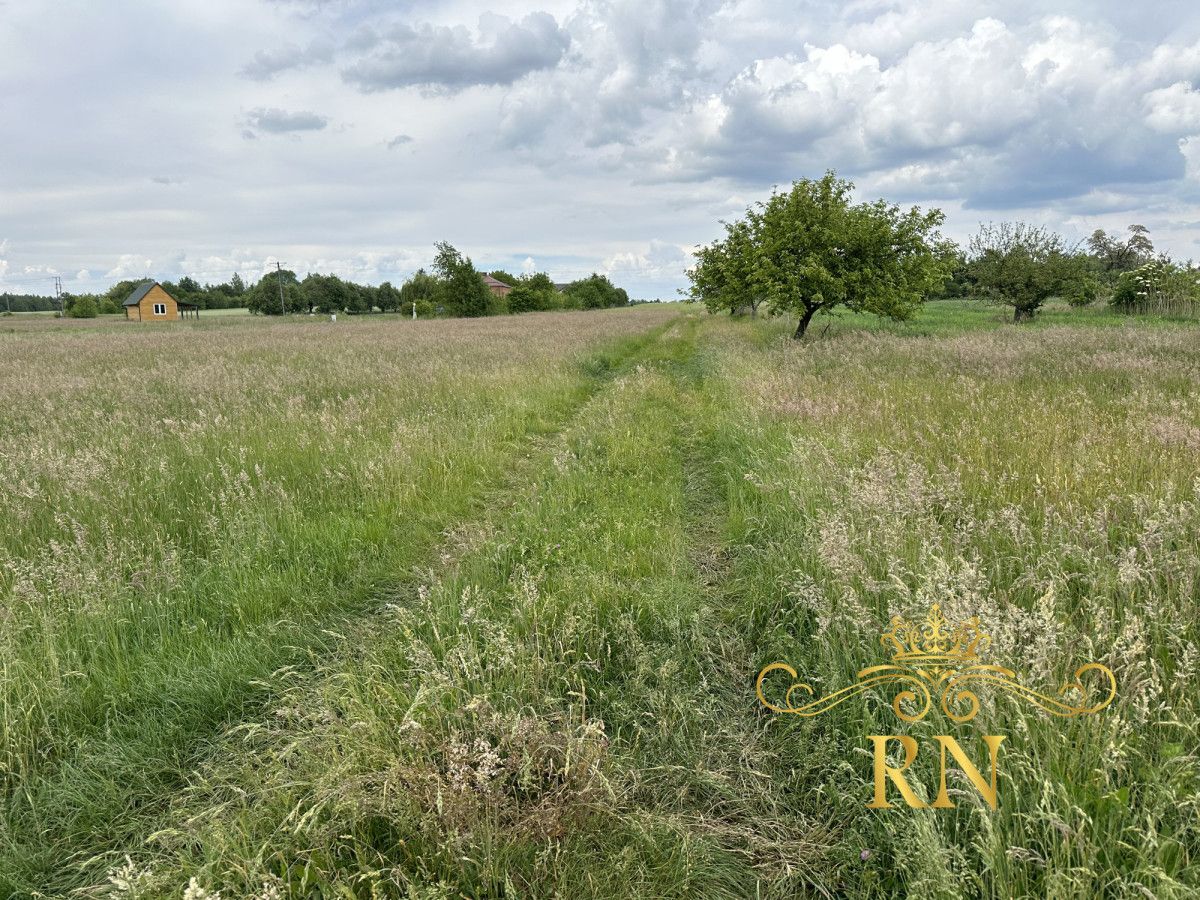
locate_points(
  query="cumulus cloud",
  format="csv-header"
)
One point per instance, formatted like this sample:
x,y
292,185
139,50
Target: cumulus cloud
x,y
655,260
592,135
280,121
130,265
453,58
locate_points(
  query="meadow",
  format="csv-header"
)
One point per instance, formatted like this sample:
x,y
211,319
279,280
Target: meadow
x,y
475,608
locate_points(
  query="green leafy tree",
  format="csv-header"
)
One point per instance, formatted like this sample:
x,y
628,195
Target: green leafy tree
x,y
387,298
810,250
532,293
421,292
595,292
1022,266
120,291
462,291
263,298
724,277
237,286
329,294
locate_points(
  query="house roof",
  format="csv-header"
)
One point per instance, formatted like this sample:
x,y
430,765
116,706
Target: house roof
x,y
494,282
139,292
144,288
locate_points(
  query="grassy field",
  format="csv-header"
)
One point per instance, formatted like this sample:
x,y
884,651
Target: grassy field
x,y
475,608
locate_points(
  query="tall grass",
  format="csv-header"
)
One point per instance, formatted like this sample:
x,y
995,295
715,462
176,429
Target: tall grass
x,y
493,628
188,509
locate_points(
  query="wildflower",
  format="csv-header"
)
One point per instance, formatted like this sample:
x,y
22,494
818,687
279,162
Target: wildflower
x,y
195,892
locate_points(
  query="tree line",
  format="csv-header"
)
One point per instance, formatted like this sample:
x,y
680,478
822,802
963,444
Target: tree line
x,y
452,287
810,250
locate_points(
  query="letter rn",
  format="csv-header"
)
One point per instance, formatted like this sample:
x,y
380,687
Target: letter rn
x,y
883,771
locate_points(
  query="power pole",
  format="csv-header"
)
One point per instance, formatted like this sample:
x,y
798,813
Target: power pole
x,y
279,281
58,294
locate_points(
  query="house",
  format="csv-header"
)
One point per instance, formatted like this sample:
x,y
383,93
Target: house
x,y
561,286
150,303
497,287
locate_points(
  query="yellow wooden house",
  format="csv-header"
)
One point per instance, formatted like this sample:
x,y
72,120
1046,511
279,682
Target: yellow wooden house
x,y
149,302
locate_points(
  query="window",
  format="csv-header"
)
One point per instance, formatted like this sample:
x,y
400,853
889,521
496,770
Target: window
x,y
160,309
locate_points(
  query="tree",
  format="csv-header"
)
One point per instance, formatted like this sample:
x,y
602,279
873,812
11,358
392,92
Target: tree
x,y
387,298
461,288
420,293
237,287
263,298
595,292
1115,256
724,277
810,250
533,292
329,294
1022,266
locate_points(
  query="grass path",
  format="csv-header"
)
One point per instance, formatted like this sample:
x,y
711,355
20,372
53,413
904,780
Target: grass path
x,y
155,697
563,693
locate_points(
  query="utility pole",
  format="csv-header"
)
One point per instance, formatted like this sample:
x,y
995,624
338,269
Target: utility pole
x,y
279,281
414,309
58,294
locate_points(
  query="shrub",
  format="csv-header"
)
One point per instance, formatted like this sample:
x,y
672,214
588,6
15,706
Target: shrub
x,y
83,307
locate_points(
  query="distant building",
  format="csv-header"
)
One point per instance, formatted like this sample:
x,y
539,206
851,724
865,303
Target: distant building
x,y
149,302
561,286
495,285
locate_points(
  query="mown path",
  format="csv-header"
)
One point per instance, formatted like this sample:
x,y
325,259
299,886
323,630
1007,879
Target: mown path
x,y
109,788
555,701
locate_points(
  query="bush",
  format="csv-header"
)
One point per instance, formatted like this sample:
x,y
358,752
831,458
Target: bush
x,y
83,307
532,293
1160,287
1082,292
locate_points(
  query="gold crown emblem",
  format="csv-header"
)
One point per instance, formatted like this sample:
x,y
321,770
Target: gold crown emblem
x,y
936,641
937,656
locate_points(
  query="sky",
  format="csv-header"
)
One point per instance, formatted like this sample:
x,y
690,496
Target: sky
x,y
203,137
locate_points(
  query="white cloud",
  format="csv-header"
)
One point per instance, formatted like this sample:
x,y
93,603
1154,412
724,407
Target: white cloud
x,y
1173,109
130,266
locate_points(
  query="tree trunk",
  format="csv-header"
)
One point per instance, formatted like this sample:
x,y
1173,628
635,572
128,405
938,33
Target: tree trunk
x,y
1021,314
804,320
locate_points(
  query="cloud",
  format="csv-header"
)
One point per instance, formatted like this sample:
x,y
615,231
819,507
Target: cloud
x,y
448,58
130,265
653,261
279,121
266,64
589,135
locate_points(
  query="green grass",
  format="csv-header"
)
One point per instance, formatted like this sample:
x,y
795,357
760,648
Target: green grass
x,y
476,608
